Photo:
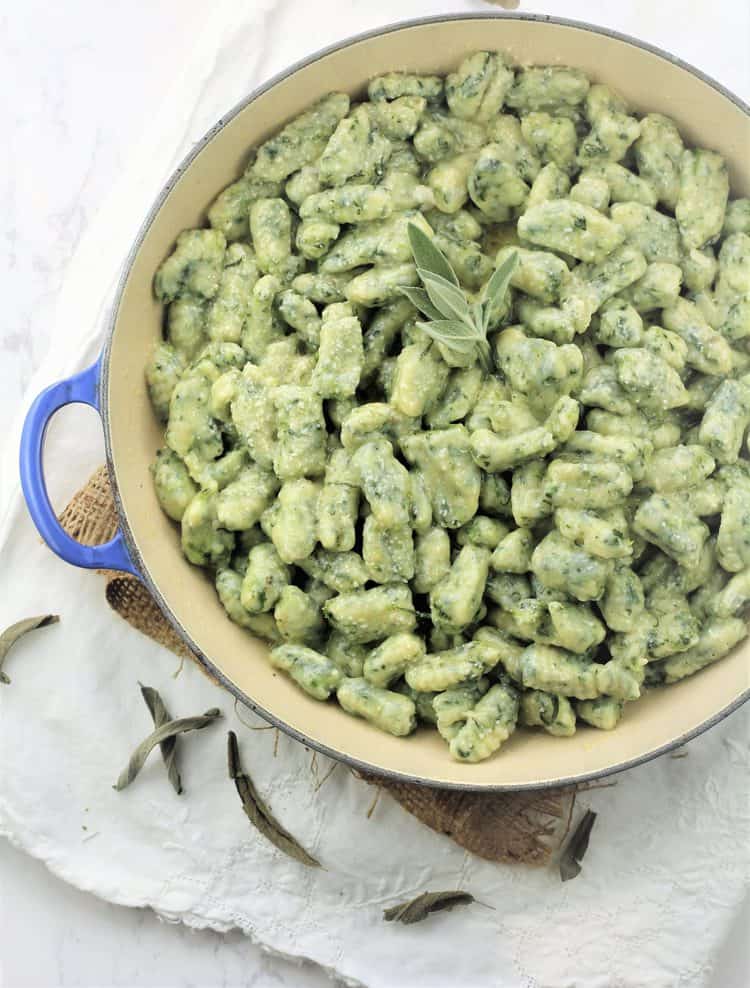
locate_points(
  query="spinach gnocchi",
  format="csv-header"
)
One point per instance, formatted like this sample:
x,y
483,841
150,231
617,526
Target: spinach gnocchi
x,y
526,533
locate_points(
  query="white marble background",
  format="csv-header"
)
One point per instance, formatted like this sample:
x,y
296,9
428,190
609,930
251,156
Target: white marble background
x,y
78,80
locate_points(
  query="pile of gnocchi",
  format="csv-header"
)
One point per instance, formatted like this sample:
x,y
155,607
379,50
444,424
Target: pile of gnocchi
x,y
424,540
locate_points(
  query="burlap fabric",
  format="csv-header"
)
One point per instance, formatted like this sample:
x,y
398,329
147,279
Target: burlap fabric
x,y
525,827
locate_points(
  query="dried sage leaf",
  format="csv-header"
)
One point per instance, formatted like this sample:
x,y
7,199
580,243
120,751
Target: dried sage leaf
x,y
169,730
160,716
415,910
258,813
11,635
571,857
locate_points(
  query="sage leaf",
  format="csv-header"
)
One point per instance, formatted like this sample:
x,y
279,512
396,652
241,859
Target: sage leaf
x,y
448,330
258,813
421,300
572,855
497,286
450,300
415,910
456,347
428,256
168,730
11,635
160,716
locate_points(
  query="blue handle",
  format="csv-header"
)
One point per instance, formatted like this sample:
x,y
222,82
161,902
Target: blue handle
x,y
83,389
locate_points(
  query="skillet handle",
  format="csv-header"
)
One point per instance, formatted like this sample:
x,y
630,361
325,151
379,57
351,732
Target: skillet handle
x,y
82,388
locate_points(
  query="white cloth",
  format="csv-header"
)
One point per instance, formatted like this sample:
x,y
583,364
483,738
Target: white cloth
x,y
667,865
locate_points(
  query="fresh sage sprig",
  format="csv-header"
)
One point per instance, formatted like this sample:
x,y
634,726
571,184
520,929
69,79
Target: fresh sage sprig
x,y
455,321
11,635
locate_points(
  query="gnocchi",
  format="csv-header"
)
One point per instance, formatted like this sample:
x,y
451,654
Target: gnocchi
x,y
527,540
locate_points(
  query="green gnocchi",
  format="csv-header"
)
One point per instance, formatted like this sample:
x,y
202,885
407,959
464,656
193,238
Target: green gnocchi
x,y
530,540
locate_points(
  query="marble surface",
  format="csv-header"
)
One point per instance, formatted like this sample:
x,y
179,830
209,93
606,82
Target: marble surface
x,y
81,77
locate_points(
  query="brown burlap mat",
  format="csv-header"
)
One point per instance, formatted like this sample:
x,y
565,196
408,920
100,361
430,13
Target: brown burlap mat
x,y
525,827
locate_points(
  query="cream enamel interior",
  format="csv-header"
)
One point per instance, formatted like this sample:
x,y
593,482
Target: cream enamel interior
x,y
650,83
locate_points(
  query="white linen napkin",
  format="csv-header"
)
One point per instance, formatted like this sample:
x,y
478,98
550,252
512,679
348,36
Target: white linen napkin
x,y
666,869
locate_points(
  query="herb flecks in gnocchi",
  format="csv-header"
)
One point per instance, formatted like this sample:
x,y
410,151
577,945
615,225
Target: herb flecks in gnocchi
x,y
456,393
